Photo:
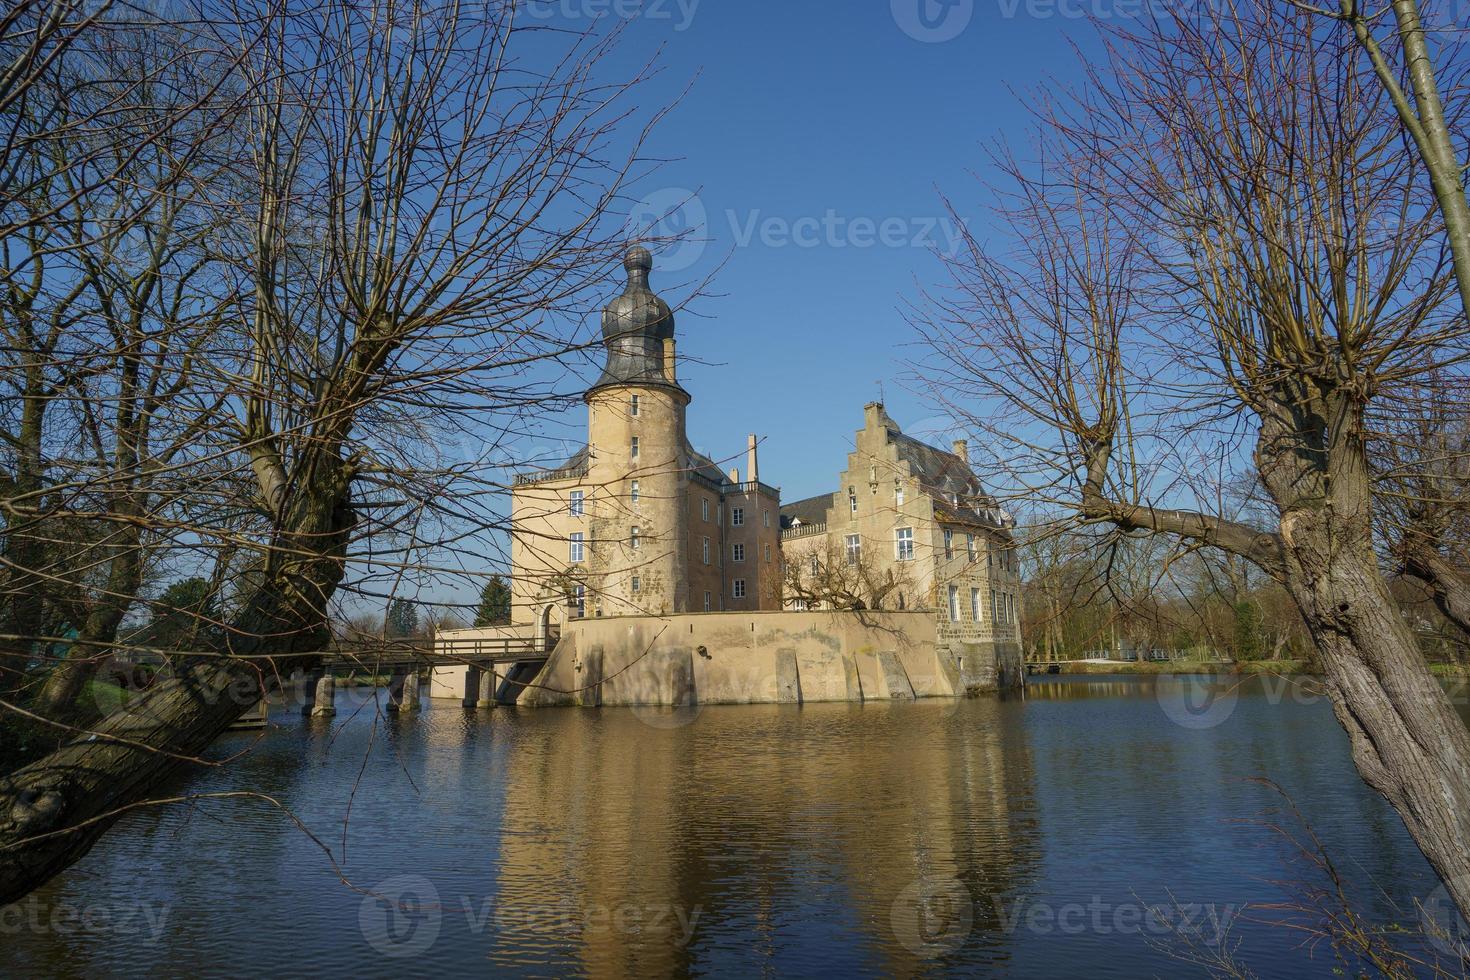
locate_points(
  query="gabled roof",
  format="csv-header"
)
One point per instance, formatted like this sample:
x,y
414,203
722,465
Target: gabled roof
x,y
812,510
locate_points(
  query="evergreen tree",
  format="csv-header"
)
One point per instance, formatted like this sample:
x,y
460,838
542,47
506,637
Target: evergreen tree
x,y
183,617
494,603
1248,631
403,619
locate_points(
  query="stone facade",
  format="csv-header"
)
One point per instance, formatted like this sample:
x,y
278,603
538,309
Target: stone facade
x,y
917,520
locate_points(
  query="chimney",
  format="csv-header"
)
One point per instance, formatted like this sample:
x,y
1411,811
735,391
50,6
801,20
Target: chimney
x,y
962,450
752,470
734,474
670,374
873,415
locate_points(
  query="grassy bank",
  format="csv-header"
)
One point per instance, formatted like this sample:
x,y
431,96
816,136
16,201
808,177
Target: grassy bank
x,y
1190,667
1215,667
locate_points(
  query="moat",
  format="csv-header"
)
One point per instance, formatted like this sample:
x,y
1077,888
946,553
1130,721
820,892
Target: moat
x,y
1021,835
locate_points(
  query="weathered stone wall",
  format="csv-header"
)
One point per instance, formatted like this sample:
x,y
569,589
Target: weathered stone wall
x,y
763,657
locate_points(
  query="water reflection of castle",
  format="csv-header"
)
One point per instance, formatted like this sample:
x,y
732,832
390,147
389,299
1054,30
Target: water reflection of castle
x,y
676,835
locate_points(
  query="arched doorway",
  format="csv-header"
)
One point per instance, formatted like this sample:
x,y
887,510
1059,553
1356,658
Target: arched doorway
x,y
548,626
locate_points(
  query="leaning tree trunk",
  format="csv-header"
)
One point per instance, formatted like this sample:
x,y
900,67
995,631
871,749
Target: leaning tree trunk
x,y
53,810
1407,740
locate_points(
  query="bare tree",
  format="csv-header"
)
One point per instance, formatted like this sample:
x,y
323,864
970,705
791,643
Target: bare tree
x,y
423,204
830,576
1227,255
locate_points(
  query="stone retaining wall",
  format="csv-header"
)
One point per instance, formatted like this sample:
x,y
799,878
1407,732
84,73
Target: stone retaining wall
x,y
758,657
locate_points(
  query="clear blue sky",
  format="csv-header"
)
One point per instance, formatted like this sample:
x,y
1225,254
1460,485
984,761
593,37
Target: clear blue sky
x,y
800,108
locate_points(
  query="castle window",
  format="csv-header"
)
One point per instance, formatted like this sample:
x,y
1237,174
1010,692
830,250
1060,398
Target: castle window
x,y
970,547
737,516
579,602
897,493
704,508
948,543
737,552
633,493
636,540
954,603
633,406
816,565
634,449
706,551
852,499
739,589
975,605
577,550
904,543
637,584
706,601
768,554
994,607
766,518
854,548
574,506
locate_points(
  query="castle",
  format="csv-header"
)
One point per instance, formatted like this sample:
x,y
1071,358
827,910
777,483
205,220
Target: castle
x,y
637,522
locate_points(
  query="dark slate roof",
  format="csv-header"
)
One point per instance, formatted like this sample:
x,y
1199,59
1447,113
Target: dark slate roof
x,y
812,510
635,325
707,468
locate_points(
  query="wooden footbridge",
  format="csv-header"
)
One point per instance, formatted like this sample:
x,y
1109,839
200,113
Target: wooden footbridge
x,y
498,669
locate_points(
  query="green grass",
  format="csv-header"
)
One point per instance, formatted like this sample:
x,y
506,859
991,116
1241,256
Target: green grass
x,y
1190,667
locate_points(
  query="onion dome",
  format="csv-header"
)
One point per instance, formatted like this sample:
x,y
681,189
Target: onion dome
x,y
634,328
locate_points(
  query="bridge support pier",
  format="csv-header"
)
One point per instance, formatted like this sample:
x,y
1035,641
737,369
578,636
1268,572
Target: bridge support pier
x,y
324,704
303,686
403,692
489,681
471,687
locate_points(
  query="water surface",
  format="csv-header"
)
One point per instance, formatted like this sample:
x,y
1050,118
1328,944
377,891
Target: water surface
x,y
1065,831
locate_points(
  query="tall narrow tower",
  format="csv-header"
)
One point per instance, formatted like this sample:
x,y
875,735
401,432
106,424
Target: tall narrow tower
x,y
639,458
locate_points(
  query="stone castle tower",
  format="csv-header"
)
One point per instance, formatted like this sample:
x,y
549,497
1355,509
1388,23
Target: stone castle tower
x,y
637,522
638,455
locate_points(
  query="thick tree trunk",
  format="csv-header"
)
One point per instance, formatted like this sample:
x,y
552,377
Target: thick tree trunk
x,y
53,810
1407,740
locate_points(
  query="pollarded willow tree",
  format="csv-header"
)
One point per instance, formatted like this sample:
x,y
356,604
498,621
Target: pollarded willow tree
x,y
1229,259
416,221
